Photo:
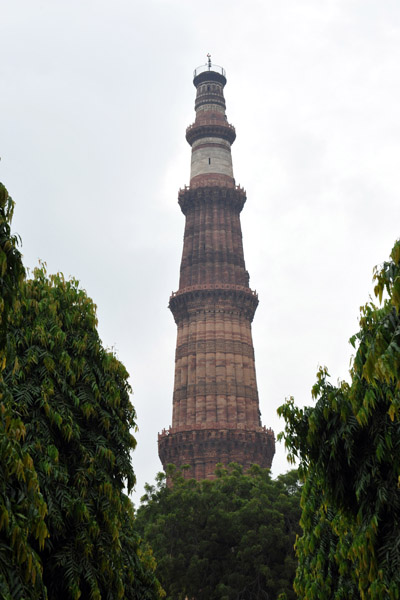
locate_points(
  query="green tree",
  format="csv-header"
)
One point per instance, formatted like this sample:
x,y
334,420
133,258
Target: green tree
x,y
66,526
22,508
348,445
73,396
227,538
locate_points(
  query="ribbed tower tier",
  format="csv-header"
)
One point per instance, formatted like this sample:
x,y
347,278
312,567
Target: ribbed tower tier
x,y
216,417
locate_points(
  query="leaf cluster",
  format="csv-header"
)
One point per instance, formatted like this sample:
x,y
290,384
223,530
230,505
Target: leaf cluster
x,y
11,268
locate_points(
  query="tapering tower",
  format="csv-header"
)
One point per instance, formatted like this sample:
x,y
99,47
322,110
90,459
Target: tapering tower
x,y
216,415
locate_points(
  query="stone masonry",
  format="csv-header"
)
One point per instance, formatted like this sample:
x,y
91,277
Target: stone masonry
x,y
215,415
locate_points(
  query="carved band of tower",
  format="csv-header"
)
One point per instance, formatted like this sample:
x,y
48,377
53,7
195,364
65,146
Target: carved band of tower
x,y
216,415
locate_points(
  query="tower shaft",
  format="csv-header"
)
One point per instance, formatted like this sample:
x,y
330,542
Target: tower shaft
x,y
216,415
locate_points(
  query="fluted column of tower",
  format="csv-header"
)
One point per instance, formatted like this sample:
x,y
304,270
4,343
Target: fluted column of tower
x,y
216,415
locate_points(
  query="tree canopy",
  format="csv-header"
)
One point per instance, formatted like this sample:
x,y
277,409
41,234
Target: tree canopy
x,y
222,539
22,508
67,527
349,450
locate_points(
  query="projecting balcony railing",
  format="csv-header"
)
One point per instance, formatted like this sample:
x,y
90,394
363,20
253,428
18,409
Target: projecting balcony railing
x,y
218,425
187,187
208,67
212,121
214,286
210,128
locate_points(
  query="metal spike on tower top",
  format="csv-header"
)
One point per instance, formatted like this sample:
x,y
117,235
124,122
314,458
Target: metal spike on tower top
x,y
215,416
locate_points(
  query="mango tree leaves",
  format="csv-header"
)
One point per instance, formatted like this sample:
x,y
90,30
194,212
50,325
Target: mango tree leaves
x,y
22,508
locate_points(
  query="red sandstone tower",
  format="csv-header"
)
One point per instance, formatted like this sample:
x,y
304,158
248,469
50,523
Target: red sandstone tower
x,y
216,415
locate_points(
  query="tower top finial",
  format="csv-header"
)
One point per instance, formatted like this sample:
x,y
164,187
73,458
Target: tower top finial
x,y
209,61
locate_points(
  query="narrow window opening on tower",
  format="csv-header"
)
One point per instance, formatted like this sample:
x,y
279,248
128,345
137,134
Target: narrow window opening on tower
x,y
209,161
208,88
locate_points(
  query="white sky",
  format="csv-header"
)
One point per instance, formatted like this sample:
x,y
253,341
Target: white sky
x,y
95,97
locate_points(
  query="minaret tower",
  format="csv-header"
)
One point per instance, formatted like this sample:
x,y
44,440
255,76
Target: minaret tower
x,y
215,415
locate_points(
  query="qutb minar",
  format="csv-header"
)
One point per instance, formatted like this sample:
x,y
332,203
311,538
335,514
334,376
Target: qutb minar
x,y
216,416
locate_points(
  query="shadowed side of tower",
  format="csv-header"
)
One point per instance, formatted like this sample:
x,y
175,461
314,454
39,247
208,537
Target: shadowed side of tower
x,y
216,415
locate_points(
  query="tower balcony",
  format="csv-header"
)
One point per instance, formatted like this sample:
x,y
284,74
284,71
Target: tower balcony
x,y
209,69
209,72
232,198
212,298
210,128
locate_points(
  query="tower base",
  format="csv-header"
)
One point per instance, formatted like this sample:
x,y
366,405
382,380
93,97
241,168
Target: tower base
x,y
203,446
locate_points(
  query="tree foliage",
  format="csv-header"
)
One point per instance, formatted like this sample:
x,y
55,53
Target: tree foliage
x,y
22,508
349,450
11,268
67,527
227,538
73,396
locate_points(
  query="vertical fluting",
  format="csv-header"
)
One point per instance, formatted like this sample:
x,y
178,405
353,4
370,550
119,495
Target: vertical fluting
x,y
215,402
201,373
230,371
220,370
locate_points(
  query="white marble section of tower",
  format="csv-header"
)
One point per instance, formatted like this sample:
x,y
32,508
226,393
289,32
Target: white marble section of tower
x,y
211,155
211,135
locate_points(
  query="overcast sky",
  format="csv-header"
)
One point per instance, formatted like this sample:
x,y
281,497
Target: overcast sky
x,y
95,99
